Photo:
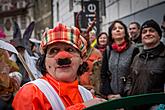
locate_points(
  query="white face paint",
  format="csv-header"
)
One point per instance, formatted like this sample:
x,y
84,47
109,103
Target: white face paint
x,y
67,72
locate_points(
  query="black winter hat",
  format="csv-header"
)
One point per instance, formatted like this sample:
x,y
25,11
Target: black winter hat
x,y
153,24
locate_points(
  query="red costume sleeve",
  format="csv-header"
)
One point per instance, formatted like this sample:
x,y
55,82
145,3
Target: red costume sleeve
x,y
29,98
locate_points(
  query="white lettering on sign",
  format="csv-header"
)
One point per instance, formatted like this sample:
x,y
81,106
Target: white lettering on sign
x,y
92,8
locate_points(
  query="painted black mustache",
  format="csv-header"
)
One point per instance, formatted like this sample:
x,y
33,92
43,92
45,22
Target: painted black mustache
x,y
64,61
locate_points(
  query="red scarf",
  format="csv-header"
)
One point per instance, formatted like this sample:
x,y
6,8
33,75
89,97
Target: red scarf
x,y
102,48
119,47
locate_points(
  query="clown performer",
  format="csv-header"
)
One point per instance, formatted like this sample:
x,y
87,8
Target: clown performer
x,y
10,80
61,63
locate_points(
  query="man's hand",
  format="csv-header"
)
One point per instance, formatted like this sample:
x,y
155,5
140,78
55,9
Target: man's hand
x,y
112,96
94,102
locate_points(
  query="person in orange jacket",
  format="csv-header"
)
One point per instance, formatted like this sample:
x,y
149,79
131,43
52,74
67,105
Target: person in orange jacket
x,y
61,63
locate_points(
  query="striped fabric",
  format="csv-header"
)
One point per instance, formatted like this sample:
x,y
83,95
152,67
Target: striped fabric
x,y
62,33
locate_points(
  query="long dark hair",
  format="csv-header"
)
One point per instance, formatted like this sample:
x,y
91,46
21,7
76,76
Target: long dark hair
x,y
126,32
41,63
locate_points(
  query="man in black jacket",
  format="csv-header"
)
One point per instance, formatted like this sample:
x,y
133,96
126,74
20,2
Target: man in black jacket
x,y
134,31
147,72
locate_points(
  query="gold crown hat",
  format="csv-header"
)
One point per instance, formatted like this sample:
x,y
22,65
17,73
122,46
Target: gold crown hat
x,y
63,33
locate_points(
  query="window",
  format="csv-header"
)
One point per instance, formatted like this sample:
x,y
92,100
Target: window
x,y
1,21
103,8
8,24
21,4
57,11
23,22
0,8
13,6
14,18
6,8
70,5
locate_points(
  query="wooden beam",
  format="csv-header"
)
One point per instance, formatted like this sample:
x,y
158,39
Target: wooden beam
x,y
20,11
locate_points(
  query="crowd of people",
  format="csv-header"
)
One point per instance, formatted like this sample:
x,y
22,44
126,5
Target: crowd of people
x,y
71,70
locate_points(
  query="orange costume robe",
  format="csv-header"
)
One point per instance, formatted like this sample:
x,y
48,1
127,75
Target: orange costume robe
x,y
29,97
93,56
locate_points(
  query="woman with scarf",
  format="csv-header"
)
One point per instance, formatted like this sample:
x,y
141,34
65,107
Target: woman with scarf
x,y
102,41
117,59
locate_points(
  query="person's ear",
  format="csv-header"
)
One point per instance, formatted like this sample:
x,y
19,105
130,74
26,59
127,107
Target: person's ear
x,y
81,61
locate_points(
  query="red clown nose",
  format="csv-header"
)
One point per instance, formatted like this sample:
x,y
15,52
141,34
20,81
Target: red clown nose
x,y
63,58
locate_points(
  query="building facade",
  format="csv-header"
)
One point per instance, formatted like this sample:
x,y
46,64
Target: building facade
x,y
43,16
110,10
24,12
47,13
133,10
15,10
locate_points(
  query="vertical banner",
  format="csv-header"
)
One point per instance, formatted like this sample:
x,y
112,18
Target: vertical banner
x,y
90,8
